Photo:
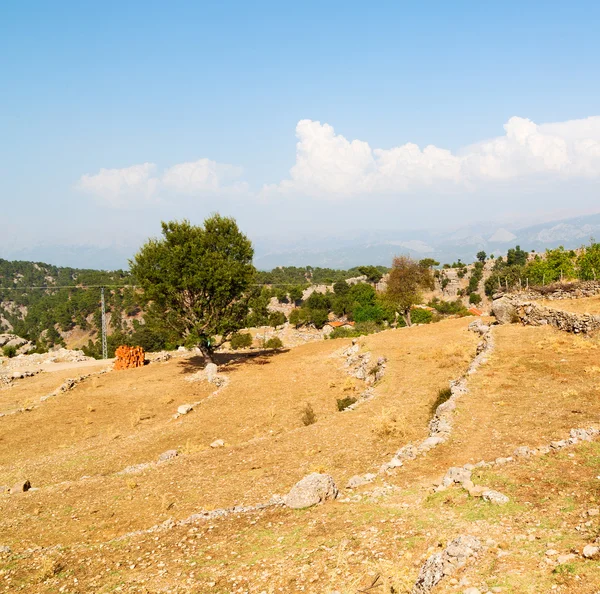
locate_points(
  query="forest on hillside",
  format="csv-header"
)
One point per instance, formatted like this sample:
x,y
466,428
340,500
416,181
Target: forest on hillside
x,y
42,302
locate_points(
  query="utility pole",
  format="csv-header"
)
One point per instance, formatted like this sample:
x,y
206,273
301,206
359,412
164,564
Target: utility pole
x,y
104,346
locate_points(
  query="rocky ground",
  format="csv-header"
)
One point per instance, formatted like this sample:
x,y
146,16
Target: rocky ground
x,y
469,462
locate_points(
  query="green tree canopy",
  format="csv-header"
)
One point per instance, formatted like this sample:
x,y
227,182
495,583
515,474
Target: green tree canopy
x,y
198,276
372,273
407,279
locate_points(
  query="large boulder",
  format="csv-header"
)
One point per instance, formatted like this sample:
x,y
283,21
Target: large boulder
x,y
311,490
504,310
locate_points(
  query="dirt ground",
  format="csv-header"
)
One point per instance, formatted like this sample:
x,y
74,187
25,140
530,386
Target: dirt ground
x,y
537,385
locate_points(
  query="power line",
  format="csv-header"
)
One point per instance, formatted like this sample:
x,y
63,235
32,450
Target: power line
x,y
19,288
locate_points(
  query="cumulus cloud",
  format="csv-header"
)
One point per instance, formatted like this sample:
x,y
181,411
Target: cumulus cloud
x,y
203,175
329,165
113,185
140,183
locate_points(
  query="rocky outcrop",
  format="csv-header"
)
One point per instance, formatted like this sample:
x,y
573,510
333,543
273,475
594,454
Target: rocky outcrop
x,y
444,564
504,310
21,345
311,490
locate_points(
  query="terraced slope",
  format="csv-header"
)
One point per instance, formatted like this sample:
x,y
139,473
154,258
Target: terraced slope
x,y
128,532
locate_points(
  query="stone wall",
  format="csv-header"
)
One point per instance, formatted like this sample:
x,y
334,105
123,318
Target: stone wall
x,y
509,309
557,291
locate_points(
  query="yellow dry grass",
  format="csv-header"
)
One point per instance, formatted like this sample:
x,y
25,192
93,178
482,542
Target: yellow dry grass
x,y
589,305
537,385
259,415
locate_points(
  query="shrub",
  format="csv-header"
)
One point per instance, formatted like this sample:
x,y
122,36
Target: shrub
x,y
344,403
296,317
308,415
9,351
448,307
444,395
277,318
241,340
319,317
366,313
274,343
369,327
344,333
421,316
474,298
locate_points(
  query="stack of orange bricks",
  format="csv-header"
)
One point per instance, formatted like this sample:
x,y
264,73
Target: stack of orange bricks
x,y
129,357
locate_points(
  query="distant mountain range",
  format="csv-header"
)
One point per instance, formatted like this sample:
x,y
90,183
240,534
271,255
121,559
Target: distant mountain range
x,y
463,243
343,251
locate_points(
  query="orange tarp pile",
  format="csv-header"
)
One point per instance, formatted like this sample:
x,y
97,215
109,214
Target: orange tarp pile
x,y
129,357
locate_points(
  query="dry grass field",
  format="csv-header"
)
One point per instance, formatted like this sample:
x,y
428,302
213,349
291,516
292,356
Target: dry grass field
x,y
590,305
89,527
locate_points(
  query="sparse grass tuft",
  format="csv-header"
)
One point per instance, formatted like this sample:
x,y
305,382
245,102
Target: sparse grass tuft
x,y
444,394
49,567
388,425
344,403
308,415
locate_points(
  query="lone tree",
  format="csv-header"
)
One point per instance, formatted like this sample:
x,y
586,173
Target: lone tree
x,y
481,256
198,279
406,281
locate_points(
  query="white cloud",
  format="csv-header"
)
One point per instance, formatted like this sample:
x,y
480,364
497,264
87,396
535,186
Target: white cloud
x,y
113,185
330,166
135,184
203,175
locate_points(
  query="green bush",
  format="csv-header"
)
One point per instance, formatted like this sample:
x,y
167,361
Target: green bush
x,y
360,329
277,318
9,351
368,327
319,317
421,316
448,307
241,340
344,333
343,403
475,298
274,343
367,313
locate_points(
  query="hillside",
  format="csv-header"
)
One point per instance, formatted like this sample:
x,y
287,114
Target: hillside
x,y
129,495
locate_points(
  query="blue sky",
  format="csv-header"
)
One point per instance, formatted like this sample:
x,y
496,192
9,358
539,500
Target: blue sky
x,y
87,87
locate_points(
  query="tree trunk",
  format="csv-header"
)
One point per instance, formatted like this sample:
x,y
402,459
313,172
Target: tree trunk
x,y
207,353
406,316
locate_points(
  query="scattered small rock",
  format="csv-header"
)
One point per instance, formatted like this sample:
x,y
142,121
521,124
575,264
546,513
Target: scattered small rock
x,y
495,497
359,480
445,563
4,550
217,443
20,487
591,552
168,455
456,475
184,409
